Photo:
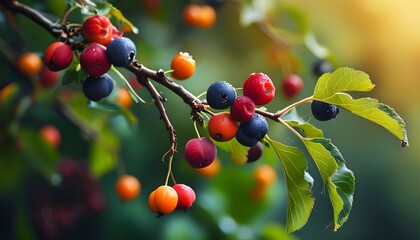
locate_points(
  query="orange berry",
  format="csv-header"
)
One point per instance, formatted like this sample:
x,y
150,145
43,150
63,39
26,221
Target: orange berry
x,y
29,63
183,66
51,135
222,127
166,199
151,202
211,170
265,175
124,98
201,16
128,187
258,193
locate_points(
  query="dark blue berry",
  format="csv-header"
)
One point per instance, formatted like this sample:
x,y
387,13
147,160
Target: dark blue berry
x,y
96,88
322,66
221,95
249,133
121,52
323,111
243,139
256,128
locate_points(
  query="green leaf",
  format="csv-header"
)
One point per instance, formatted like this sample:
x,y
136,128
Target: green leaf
x,y
238,152
306,128
103,156
331,87
275,231
300,199
342,80
115,12
337,177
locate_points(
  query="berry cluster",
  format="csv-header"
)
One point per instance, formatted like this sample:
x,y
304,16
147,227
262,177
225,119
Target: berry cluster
x,y
105,47
165,199
258,90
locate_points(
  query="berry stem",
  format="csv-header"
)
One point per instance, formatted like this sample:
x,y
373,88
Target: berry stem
x,y
285,110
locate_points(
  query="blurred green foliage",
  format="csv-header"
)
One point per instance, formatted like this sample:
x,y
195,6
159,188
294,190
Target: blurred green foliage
x,y
386,197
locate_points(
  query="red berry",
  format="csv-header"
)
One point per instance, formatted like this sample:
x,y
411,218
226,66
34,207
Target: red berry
x,y
222,127
200,152
186,196
260,88
93,60
292,85
48,78
242,109
51,135
58,56
183,66
98,29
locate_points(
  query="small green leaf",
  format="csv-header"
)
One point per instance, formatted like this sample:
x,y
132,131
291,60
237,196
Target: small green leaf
x,y
306,128
331,87
337,177
300,199
275,231
115,12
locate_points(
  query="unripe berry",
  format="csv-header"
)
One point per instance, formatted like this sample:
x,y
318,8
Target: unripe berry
x,y
121,52
260,88
98,29
242,109
323,111
51,135
29,63
186,196
220,95
93,60
292,84
128,187
222,127
96,88
201,16
58,56
183,66
200,152
165,199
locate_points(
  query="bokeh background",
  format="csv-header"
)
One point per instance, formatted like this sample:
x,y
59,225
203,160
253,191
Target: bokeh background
x,y
381,38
